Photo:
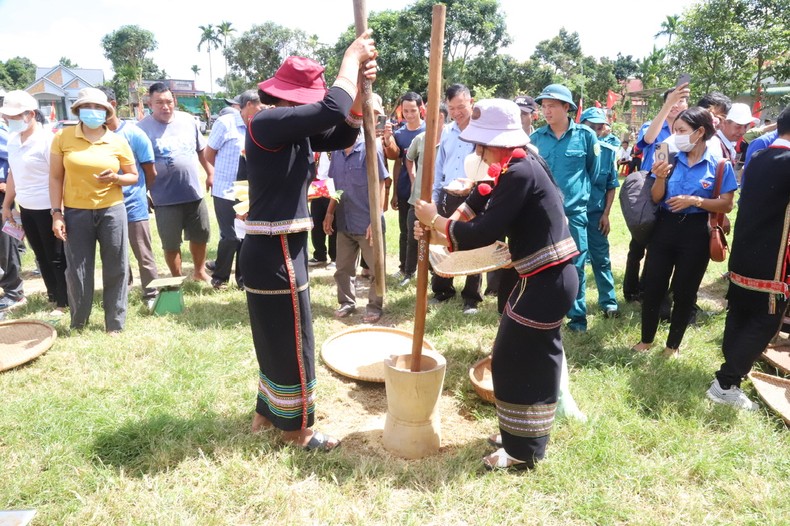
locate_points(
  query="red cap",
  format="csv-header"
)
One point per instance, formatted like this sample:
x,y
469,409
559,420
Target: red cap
x,y
299,80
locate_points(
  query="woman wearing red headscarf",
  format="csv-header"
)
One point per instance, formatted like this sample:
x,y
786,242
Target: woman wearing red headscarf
x,y
280,164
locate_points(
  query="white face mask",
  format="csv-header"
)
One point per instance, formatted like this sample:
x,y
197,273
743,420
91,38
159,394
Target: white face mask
x,y
683,142
18,125
475,168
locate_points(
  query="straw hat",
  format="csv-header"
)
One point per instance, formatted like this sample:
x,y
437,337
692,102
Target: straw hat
x,y
91,96
774,391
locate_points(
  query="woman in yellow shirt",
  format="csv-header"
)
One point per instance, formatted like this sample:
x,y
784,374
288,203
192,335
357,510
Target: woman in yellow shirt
x,y
88,166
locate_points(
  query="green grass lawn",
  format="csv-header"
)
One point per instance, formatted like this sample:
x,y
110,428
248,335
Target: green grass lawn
x,y
152,427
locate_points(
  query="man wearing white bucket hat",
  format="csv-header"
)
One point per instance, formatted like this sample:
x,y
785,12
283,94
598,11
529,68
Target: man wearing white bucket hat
x,y
526,205
738,120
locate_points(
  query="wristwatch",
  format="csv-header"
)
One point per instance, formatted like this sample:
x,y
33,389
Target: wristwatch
x,y
53,211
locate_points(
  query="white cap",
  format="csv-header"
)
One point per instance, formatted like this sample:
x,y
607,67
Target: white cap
x,y
18,101
741,114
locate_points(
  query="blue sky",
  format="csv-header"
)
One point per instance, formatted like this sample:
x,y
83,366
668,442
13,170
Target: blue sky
x,y
43,31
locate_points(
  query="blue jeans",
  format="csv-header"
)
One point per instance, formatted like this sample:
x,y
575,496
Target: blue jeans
x,y
598,246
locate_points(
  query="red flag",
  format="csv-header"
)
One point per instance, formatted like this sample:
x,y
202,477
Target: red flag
x,y
53,116
598,104
579,110
758,105
208,111
611,99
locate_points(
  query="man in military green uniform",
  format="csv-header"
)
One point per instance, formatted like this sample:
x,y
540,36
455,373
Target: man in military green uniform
x,y
606,135
598,207
572,152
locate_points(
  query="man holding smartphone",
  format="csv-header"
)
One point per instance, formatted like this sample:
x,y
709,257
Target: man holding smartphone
x,y
395,147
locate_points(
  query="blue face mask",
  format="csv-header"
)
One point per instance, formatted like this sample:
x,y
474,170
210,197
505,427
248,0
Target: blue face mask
x,y
93,119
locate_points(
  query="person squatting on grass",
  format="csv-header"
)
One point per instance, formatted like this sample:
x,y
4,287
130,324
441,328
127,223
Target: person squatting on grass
x,y
279,150
679,246
525,204
759,267
88,165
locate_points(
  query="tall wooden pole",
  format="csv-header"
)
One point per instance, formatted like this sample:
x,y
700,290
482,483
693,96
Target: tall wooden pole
x,y
432,131
371,161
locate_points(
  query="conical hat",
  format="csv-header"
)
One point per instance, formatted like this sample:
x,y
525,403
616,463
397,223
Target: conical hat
x,y
23,340
779,357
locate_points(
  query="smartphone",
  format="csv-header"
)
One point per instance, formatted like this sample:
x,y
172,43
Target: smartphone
x,y
683,79
381,121
662,152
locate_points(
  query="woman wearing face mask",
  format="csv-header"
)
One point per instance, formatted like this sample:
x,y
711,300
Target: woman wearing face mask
x,y
89,164
524,204
679,246
27,184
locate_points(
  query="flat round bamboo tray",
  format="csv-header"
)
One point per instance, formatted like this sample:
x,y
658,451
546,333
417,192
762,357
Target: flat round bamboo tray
x,y
778,357
466,262
480,375
359,352
24,340
774,391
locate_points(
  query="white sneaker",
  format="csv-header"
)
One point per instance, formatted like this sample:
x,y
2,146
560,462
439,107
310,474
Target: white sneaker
x,y
732,396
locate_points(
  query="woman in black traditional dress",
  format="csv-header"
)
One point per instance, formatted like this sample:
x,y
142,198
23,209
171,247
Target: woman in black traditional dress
x,y
525,204
280,143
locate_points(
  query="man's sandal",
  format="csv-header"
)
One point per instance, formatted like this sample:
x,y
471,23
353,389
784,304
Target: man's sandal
x,y
321,442
504,462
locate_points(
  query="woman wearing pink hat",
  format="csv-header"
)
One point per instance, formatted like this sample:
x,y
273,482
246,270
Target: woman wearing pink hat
x,y
525,204
280,144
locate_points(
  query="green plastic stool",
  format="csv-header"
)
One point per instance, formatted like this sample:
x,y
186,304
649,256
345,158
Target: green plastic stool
x,y
170,298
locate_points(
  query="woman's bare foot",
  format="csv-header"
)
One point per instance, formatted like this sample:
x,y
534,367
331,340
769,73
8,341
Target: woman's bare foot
x,y
641,347
669,353
201,276
260,423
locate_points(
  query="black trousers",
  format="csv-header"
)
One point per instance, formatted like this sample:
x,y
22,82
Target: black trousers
x,y
678,249
318,208
443,288
633,286
49,253
404,265
746,335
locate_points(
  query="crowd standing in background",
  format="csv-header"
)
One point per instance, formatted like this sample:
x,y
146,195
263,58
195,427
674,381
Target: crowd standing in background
x,y
91,183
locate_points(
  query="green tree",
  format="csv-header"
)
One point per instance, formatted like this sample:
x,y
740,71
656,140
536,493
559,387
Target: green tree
x,y
211,40
258,52
669,27
17,73
625,67
224,30
195,70
563,53
127,48
66,62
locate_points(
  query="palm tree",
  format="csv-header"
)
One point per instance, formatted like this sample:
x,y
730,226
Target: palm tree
x,y
195,69
669,27
210,38
224,30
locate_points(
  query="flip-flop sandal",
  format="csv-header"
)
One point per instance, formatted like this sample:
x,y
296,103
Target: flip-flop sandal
x,y
495,440
371,317
320,442
504,462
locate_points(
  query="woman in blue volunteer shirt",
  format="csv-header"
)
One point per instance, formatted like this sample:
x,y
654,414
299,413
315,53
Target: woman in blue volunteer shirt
x,y
679,247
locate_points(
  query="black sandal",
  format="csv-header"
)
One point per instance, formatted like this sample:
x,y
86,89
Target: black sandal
x,y
320,442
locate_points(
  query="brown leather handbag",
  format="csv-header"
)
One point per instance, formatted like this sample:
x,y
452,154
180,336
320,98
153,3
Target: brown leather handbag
x,y
718,242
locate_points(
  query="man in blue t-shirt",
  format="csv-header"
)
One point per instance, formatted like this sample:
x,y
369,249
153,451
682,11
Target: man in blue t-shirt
x,y
135,198
395,147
